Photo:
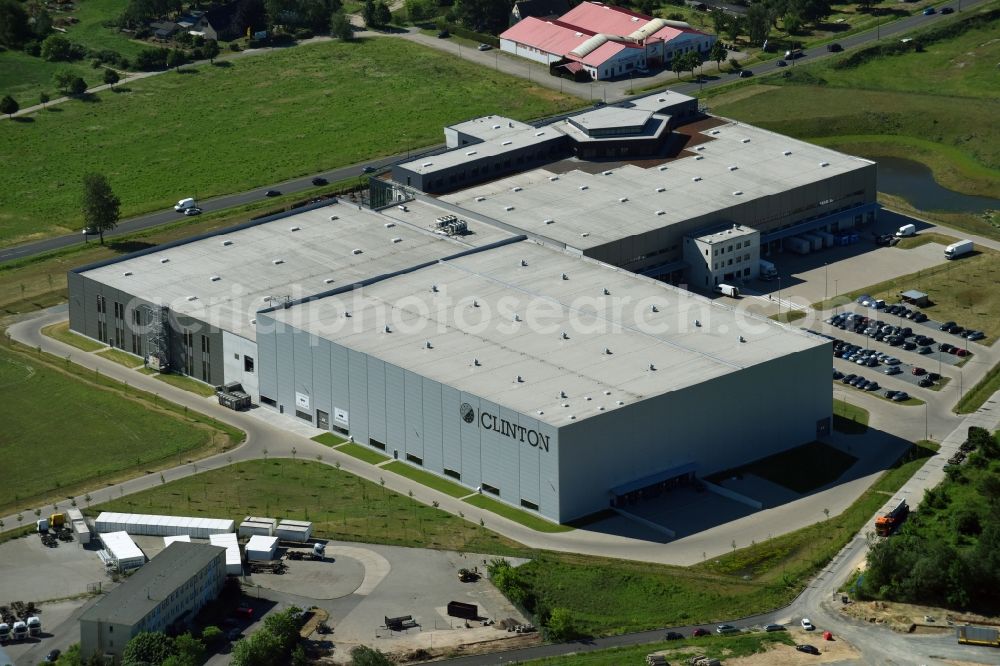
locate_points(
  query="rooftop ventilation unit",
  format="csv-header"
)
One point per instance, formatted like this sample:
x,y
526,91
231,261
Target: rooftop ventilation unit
x,y
653,308
496,127
661,212
192,298
652,367
621,402
397,240
565,336
517,317
607,393
733,167
516,189
699,147
608,172
389,225
434,288
539,133
549,221
744,140
582,187
328,281
215,278
607,292
164,260
127,273
607,350
562,394
387,329
506,143
553,178
661,189
786,153
585,234
428,345
294,228
824,164
565,277
601,408
508,208
565,404
663,167
696,179
742,339
277,261
356,251
697,323
476,362
475,303
699,157
471,152
347,314
480,198
622,199
519,379
253,322
524,263
588,398
540,412
334,218
227,243
738,193
714,132
427,164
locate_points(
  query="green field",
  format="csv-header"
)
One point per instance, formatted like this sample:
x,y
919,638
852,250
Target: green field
x,y
364,453
66,431
287,113
981,392
957,289
24,77
62,333
340,505
718,647
329,439
517,515
430,480
91,32
121,357
898,106
187,383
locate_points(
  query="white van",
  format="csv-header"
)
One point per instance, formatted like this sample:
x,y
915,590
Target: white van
x,y
728,290
906,230
184,204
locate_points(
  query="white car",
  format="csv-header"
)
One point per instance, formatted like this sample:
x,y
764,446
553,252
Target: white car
x,y
807,625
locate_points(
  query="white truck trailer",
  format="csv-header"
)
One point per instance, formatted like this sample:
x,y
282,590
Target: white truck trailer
x,y
956,250
798,245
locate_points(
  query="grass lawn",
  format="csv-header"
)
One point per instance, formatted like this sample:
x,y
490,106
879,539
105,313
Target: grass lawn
x,y
849,419
802,469
260,119
718,647
341,505
85,430
925,238
518,516
430,480
365,453
329,439
188,384
788,316
62,333
25,77
980,393
959,291
121,357
91,32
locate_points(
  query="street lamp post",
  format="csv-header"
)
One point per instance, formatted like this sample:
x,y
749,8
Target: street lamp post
x,y
826,280
779,297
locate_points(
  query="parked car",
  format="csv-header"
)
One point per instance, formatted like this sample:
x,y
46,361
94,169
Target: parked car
x,y
52,657
976,335
929,11
901,396
919,317
774,627
484,47
925,350
947,10
890,394
834,48
918,371
746,73
369,169
956,330
444,34
872,386
700,632
673,636
781,63
808,649
243,611
926,382
946,326
961,353
726,629
272,193
807,624
192,211
837,374
319,180
891,370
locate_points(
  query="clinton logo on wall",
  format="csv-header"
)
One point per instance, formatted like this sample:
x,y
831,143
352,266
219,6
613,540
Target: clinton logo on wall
x,y
504,427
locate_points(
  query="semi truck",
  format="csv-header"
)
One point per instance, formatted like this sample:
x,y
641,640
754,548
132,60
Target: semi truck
x,y
34,626
767,270
798,245
988,636
956,250
887,523
4,632
20,631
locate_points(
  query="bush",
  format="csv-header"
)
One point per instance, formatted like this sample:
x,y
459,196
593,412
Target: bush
x,y
304,33
33,48
56,48
233,46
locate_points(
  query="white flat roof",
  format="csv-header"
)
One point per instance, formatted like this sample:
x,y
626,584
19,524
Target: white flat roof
x,y
494,146
261,542
740,164
477,346
489,127
230,275
729,233
121,546
167,540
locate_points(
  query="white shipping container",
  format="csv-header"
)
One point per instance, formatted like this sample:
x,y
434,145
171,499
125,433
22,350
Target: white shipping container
x,y
73,515
273,522
293,533
124,553
167,540
249,528
81,531
261,547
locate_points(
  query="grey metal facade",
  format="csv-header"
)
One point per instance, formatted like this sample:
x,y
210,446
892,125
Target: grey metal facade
x,y
745,415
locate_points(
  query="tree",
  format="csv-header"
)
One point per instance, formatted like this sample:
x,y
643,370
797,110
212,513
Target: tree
x,y
43,99
147,647
211,50
9,105
14,28
41,24
560,624
63,80
793,23
420,10
362,655
340,27
101,208
368,13
490,16
692,60
758,18
56,48
383,16
77,86
720,20
111,77
188,651
735,28
718,53
677,65
176,58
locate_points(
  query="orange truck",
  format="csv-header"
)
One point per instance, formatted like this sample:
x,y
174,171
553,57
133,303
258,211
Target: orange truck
x,y
887,523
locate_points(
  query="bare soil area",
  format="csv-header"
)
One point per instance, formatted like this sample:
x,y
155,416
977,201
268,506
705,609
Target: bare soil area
x,y
911,618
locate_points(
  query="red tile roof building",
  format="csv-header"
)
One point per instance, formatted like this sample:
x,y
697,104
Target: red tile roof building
x,y
605,41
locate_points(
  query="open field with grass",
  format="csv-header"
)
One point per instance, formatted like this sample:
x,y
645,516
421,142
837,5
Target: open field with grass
x,y
259,119
849,419
960,290
802,469
187,383
980,393
924,238
62,333
121,357
68,415
25,77
430,480
341,505
517,515
91,32
329,439
364,453
717,647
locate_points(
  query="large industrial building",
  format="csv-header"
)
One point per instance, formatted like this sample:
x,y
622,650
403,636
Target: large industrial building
x,y
515,330
166,592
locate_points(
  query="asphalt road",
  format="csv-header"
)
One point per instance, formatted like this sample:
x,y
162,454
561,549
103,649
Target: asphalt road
x,y
612,91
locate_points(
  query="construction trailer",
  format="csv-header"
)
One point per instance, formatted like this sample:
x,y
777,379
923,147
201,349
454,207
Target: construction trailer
x,y
152,525
122,551
249,528
298,531
261,547
234,560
